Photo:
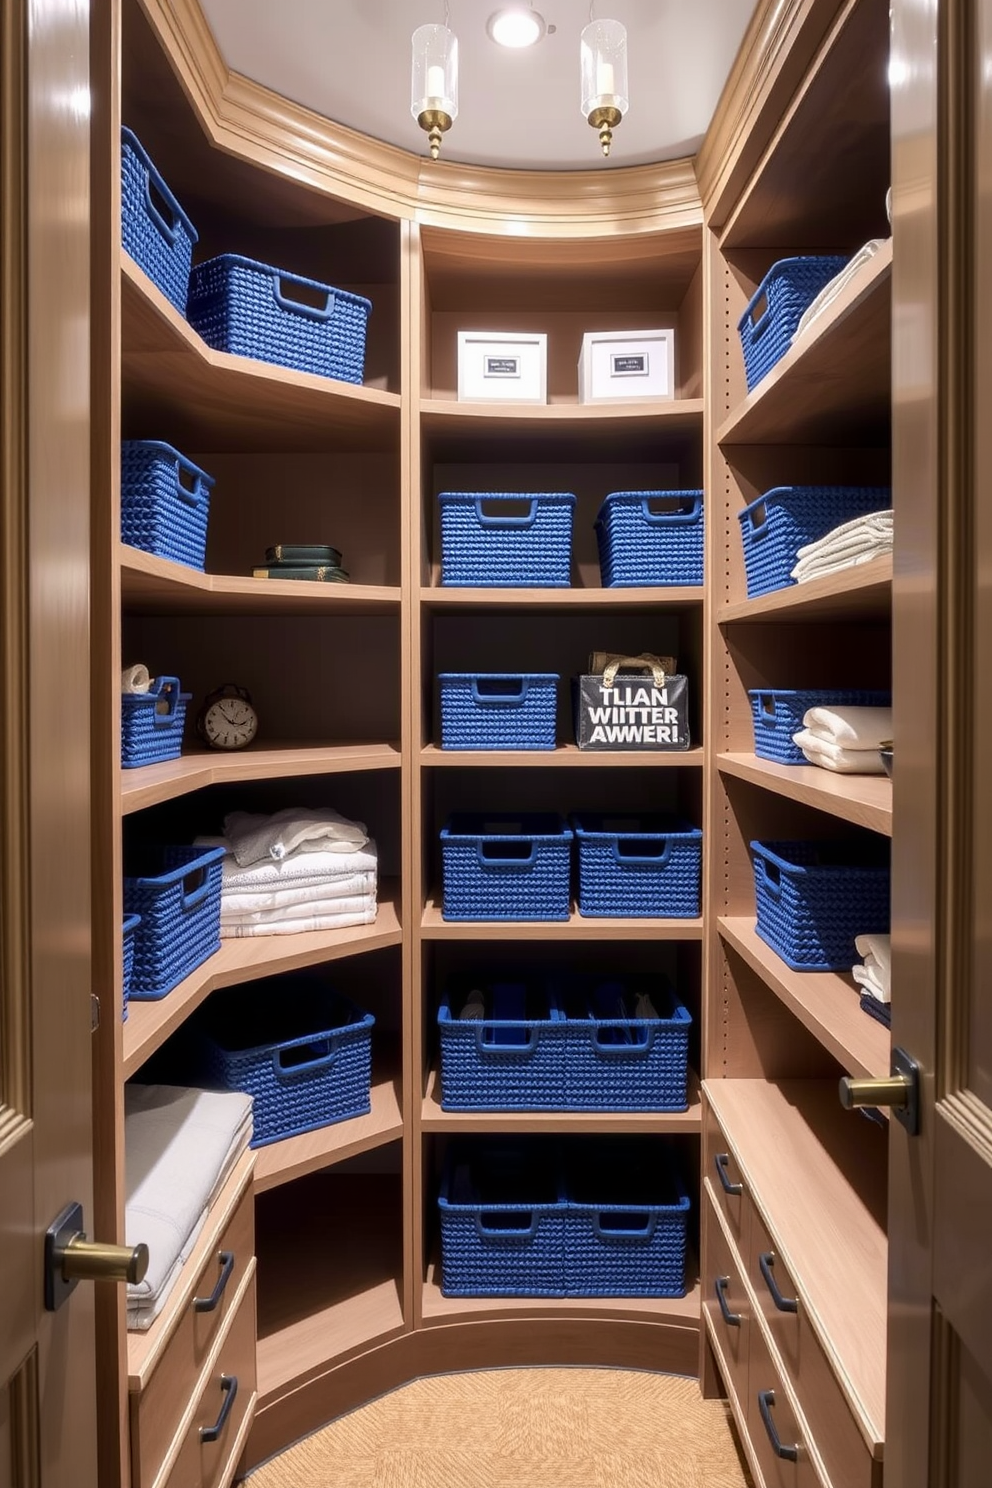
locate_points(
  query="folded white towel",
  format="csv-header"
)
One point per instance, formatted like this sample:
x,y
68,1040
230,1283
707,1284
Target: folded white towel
x,y
298,869
864,977
245,901
835,757
237,929
254,837
839,282
353,904
858,541
135,679
820,570
179,1146
876,952
853,728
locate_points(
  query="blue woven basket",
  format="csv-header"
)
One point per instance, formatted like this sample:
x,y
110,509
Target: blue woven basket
x,y
502,1217
650,537
776,308
512,1059
502,867
255,310
615,1061
625,1225
165,501
498,710
152,723
785,519
778,714
485,547
301,1051
155,230
813,898
638,866
180,918
131,923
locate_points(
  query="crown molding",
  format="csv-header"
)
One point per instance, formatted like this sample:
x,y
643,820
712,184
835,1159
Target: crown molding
x,y
251,121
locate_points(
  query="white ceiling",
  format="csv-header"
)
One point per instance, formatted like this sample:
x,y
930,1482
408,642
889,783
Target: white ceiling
x,y
350,60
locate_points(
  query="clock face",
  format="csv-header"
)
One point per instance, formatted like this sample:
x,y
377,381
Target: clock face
x,y
230,723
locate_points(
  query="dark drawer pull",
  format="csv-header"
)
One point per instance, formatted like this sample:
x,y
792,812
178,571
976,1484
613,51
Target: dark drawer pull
x,y
721,1160
766,1399
207,1304
784,1304
732,1319
229,1385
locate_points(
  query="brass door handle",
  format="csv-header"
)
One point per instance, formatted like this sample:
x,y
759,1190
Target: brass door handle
x,y
70,1258
900,1090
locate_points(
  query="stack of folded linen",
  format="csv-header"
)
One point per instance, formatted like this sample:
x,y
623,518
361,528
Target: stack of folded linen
x,y
179,1148
858,541
845,739
295,871
873,975
839,282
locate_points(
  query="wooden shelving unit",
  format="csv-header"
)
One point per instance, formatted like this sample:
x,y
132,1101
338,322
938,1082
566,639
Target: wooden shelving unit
x,y
859,593
436,1308
157,586
295,1157
865,800
577,598
565,756
149,784
576,927
435,1119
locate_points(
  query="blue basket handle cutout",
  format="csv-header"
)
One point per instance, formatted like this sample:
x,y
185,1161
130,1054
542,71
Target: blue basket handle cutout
x,y
613,1225
507,854
193,495
771,873
757,313
636,1043
483,691
499,519
291,1060
490,1045
642,850
300,307
155,212
757,516
166,689
507,1224
766,709
676,509
196,887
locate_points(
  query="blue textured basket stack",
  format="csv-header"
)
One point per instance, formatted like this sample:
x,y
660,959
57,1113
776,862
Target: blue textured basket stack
x,y
786,518
498,710
506,539
179,907
625,1228
650,538
638,866
300,1050
165,502
813,898
778,714
152,723
502,867
131,923
777,306
512,1059
156,233
255,310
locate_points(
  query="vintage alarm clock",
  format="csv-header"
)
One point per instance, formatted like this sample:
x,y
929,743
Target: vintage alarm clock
x,y
228,719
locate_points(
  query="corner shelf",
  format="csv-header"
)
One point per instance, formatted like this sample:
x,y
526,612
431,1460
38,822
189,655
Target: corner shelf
x,y
679,1311
294,1157
862,592
865,800
149,784
576,927
585,424
435,1119
157,586
438,597
564,756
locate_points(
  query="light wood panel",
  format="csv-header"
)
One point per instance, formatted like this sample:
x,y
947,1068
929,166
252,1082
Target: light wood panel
x,y
862,592
294,1157
436,1308
576,927
149,784
156,586
434,1118
584,424
564,756
439,597
865,800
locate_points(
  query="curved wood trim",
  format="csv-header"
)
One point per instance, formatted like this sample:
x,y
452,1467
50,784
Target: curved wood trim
x,y
250,121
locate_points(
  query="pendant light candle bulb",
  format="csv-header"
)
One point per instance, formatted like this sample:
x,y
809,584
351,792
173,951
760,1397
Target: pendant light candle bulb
x,y
603,64
434,82
604,78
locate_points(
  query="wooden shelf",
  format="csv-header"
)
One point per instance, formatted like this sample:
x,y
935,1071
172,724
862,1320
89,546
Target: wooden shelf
x,y
434,1119
825,1002
210,400
294,1157
680,1312
576,927
437,597
863,592
834,383
817,1174
563,756
329,1251
585,425
149,784
149,1024
865,800
156,586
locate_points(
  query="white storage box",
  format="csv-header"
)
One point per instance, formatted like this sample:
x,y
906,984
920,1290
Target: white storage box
x,y
619,366
504,366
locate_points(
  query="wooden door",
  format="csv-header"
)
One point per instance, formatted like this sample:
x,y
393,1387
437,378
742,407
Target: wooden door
x,y
47,1361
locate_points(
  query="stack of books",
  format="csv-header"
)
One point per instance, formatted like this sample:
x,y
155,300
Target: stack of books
x,y
314,562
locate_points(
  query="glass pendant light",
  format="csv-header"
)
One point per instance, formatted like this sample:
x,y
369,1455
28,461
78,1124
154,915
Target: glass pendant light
x,y
434,84
603,59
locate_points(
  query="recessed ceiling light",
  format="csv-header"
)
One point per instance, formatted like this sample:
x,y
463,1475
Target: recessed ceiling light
x,y
516,26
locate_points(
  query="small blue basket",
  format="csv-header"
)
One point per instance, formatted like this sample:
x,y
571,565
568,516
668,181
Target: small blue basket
x,y
487,547
180,919
638,866
152,723
498,710
511,1059
778,714
785,519
131,923
625,1225
650,538
502,867
616,1061
814,898
301,1051
165,501
502,1217
156,233
255,310
776,308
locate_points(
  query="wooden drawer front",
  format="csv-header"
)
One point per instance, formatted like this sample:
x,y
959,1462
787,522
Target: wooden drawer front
x,y
770,1415
208,1464
842,1449
720,1166
157,1412
725,1299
